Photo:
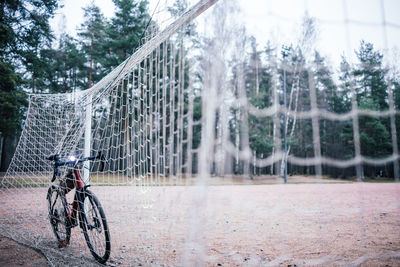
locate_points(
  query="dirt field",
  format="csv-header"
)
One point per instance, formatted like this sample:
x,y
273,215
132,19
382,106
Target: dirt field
x,y
316,224
15,254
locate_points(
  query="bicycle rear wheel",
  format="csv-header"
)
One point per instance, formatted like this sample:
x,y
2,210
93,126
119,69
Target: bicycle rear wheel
x,y
58,215
95,228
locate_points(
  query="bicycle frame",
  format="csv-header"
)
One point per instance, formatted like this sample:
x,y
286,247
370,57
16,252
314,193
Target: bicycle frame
x,y
78,199
80,189
79,185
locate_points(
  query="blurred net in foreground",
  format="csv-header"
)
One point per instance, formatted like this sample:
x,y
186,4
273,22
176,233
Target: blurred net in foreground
x,y
175,115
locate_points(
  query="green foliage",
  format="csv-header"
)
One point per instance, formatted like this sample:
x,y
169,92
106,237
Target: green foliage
x,y
11,111
8,77
197,112
370,76
65,69
124,31
336,137
374,133
12,101
396,93
372,94
342,97
92,36
327,93
20,60
30,62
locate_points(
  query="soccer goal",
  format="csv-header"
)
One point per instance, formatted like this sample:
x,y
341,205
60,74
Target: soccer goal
x,y
188,116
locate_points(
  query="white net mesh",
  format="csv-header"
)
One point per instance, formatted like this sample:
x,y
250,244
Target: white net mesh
x,y
169,116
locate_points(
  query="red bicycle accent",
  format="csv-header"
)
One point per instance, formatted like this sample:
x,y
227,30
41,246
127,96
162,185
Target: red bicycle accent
x,y
78,179
62,244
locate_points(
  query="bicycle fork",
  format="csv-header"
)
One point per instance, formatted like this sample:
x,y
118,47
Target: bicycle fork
x,y
77,206
72,213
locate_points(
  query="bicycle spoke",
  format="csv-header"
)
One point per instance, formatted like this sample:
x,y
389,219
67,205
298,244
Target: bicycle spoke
x,y
58,215
95,228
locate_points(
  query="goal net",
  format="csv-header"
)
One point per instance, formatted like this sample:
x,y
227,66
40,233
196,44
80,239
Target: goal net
x,y
209,110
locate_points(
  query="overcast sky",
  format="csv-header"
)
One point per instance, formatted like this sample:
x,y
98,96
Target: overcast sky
x,y
280,20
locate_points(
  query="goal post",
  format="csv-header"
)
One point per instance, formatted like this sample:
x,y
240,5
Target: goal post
x,y
88,139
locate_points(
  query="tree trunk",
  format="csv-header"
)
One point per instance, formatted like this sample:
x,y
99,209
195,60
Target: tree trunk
x,y
3,166
65,75
2,2
1,150
7,152
33,84
91,63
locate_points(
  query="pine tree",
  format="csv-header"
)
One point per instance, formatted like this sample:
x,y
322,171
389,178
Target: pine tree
x,y
258,81
20,62
370,76
396,96
64,67
326,99
12,107
125,31
372,95
92,35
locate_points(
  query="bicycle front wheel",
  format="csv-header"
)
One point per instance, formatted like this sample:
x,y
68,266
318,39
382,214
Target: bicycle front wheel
x,y
58,215
95,228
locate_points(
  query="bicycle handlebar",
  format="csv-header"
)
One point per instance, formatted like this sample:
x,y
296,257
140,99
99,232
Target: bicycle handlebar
x,y
72,163
56,159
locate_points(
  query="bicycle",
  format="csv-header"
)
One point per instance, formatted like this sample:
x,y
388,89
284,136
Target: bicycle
x,y
86,209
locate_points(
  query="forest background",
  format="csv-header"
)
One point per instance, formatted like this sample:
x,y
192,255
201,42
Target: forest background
x,y
34,60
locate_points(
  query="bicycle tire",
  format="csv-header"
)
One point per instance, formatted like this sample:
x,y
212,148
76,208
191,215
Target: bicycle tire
x,y
58,214
93,221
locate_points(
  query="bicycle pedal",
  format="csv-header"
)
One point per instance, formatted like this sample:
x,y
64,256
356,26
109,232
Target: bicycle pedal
x,y
62,244
73,223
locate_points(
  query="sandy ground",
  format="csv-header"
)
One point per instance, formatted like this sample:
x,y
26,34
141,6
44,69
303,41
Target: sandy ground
x,y
15,254
318,224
